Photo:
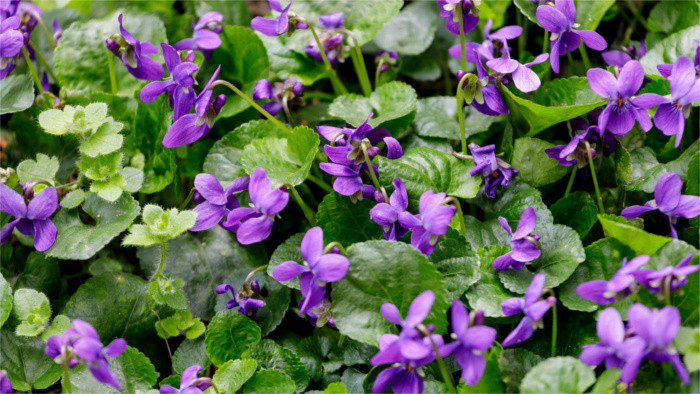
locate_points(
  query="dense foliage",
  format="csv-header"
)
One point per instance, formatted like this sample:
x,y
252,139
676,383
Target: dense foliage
x,y
349,196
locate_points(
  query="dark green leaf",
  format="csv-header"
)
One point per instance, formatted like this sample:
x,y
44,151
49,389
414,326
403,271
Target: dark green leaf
x,y
529,9
229,335
190,352
346,222
558,375
458,263
269,381
533,164
607,381
411,31
489,293
25,362
672,16
17,93
668,50
270,355
638,240
514,364
133,371
590,13
390,101
5,300
577,210
286,62
491,380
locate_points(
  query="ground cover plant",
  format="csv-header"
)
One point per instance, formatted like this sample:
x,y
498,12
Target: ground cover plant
x,y
349,196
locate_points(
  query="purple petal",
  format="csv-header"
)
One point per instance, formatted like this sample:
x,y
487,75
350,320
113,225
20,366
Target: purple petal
x,y
554,55
384,378
273,202
268,27
602,82
391,313
683,77
503,65
101,372
688,207
6,231
506,33
592,39
630,79
649,100
208,216
408,220
383,214
407,382
312,245
184,131
44,234
419,309
206,39
616,58
259,185
667,192
11,202
473,366
393,147
512,306
524,251
459,318
347,186
331,267
670,120
172,59
610,328
526,224
262,90
479,338
209,187
115,348
150,92
594,291
525,79
636,211
593,355
254,230
537,310
621,118
314,294
552,19
534,291
43,205
568,8
522,331
189,376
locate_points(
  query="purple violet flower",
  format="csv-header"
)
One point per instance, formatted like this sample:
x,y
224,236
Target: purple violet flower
x,y
674,109
190,383
669,201
620,112
57,31
30,217
385,59
524,244
405,377
432,221
620,58
470,343
575,152
279,94
205,37
532,306
191,127
275,26
179,84
133,54
615,347
215,203
254,224
332,40
618,287
560,20
523,78
11,43
321,314
494,171
332,21
5,384
387,215
248,299
668,279
318,269
469,15
82,343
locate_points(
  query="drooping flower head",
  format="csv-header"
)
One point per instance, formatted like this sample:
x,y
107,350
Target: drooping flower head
x,y
190,383
430,223
254,224
215,203
618,287
668,279
332,40
31,215
620,112
279,25
494,171
576,151
533,306
669,201
385,60
321,314
387,215
560,20
134,54
626,54
524,244
5,383
248,299
674,109
449,11
57,31
81,343
205,36
279,93
317,269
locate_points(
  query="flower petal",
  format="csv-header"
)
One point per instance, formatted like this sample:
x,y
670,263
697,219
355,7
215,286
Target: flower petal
x,y
254,230
209,187
44,234
667,192
312,245
602,82
208,216
288,271
419,309
552,19
592,39
630,79
12,202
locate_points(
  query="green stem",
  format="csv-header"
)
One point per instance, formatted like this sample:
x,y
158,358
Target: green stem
x,y
341,340
584,56
571,181
370,169
308,213
332,245
188,199
338,86
601,208
48,35
460,216
165,336
461,36
460,115
545,42
32,70
446,375
253,272
358,61
554,330
572,65
288,114
43,61
320,183
66,376
112,73
163,255
378,74
637,15
522,38
251,102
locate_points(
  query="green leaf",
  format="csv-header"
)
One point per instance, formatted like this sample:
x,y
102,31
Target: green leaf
x,y
390,101
638,240
607,381
229,335
495,10
80,59
133,178
269,381
133,371
59,325
458,263
140,235
233,374
270,355
33,311
286,62
687,341
73,199
380,272
25,363
639,170
514,365
17,92
106,139
533,164
190,352
346,222
5,300
687,300
529,9
590,13
168,290
512,201
424,169
558,375
554,102
161,226
577,210
335,388
668,50
224,158
488,293
44,169
672,16
109,189
286,160
437,117
411,31
289,250
79,241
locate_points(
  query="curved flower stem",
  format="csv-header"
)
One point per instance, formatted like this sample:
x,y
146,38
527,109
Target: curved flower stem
x,y
459,12
253,272
584,56
358,61
460,115
66,375
43,61
572,65
601,208
308,213
163,255
460,215
320,183
165,336
372,175
187,199
554,330
446,375
341,340
48,35
338,86
288,114
251,102
32,70
571,181
545,41
112,73
378,74
332,245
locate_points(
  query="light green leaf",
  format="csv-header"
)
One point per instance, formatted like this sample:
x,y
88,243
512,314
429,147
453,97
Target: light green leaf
x,y
335,388
558,375
411,31
229,335
687,341
161,226
168,290
73,199
5,300
101,168
286,62
191,352
140,235
390,101
133,371
25,363
109,189
233,374
17,93
638,240
44,169
607,381
514,364
533,164
106,139
668,50
56,121
269,354
33,311
640,170
380,272
133,178
488,293
590,13
672,16
289,250
269,381
529,9
59,325
437,117
346,222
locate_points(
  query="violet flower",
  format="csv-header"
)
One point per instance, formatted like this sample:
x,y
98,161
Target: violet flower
x,y
523,78
576,151
215,203
494,171
82,343
133,53
405,377
275,26
205,37
321,314
30,217
332,40
247,299
615,347
318,269
532,306
347,177
11,43
668,279
432,221
620,112
470,343
254,224
385,59
524,244
5,384
279,94
658,328
387,215
190,383
560,20
669,201
618,287
179,84
191,127
57,31
674,109
469,15
628,53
